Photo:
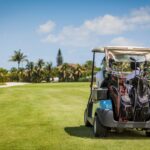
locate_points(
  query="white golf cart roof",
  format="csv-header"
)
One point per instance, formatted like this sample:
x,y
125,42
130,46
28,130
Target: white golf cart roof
x,y
123,50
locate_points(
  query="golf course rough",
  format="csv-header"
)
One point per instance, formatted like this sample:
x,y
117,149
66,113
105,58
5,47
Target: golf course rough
x,y
50,117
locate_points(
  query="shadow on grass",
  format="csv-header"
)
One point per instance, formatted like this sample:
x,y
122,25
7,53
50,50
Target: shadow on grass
x,y
85,132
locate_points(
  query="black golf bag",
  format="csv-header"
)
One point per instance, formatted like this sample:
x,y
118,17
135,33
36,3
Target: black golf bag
x,y
136,105
140,96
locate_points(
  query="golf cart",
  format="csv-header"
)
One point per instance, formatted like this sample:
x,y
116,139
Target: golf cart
x,y
117,100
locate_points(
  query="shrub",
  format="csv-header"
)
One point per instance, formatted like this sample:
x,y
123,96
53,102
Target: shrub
x,y
3,75
84,79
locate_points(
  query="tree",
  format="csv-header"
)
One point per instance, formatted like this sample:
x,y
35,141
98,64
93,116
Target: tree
x,y
48,71
59,58
88,68
30,66
3,75
88,64
40,63
18,57
64,71
39,70
30,69
79,71
48,66
13,75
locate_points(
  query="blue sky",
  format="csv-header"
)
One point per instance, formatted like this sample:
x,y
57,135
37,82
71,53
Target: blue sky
x,y
40,27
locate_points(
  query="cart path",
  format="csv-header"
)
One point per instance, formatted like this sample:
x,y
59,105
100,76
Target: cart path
x,y
9,84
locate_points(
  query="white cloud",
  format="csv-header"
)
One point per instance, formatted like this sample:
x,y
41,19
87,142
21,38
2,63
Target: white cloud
x,y
71,36
105,25
121,41
90,32
140,16
109,24
47,27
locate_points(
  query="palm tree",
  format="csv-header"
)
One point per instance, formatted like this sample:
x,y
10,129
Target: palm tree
x,y
48,71
40,64
48,66
39,69
29,68
18,57
79,71
64,72
30,65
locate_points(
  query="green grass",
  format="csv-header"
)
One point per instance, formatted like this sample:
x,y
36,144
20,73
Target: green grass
x,y
50,117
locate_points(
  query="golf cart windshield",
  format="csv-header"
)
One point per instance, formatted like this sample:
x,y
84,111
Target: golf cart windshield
x,y
118,59
122,57
122,61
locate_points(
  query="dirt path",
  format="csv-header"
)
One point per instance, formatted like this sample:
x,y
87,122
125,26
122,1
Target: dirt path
x,y
9,84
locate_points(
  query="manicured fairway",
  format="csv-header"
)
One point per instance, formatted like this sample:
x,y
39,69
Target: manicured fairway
x,y
50,117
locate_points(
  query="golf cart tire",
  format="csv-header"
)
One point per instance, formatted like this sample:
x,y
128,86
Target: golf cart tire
x,y
98,128
86,122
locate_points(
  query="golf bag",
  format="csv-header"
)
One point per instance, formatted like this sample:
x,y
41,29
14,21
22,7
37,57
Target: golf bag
x,y
140,96
121,101
126,109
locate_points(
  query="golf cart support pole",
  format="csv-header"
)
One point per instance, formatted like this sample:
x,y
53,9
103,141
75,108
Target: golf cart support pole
x,y
92,78
90,105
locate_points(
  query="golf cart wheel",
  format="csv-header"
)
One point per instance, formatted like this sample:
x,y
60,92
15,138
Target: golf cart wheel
x,y
99,129
147,133
86,122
